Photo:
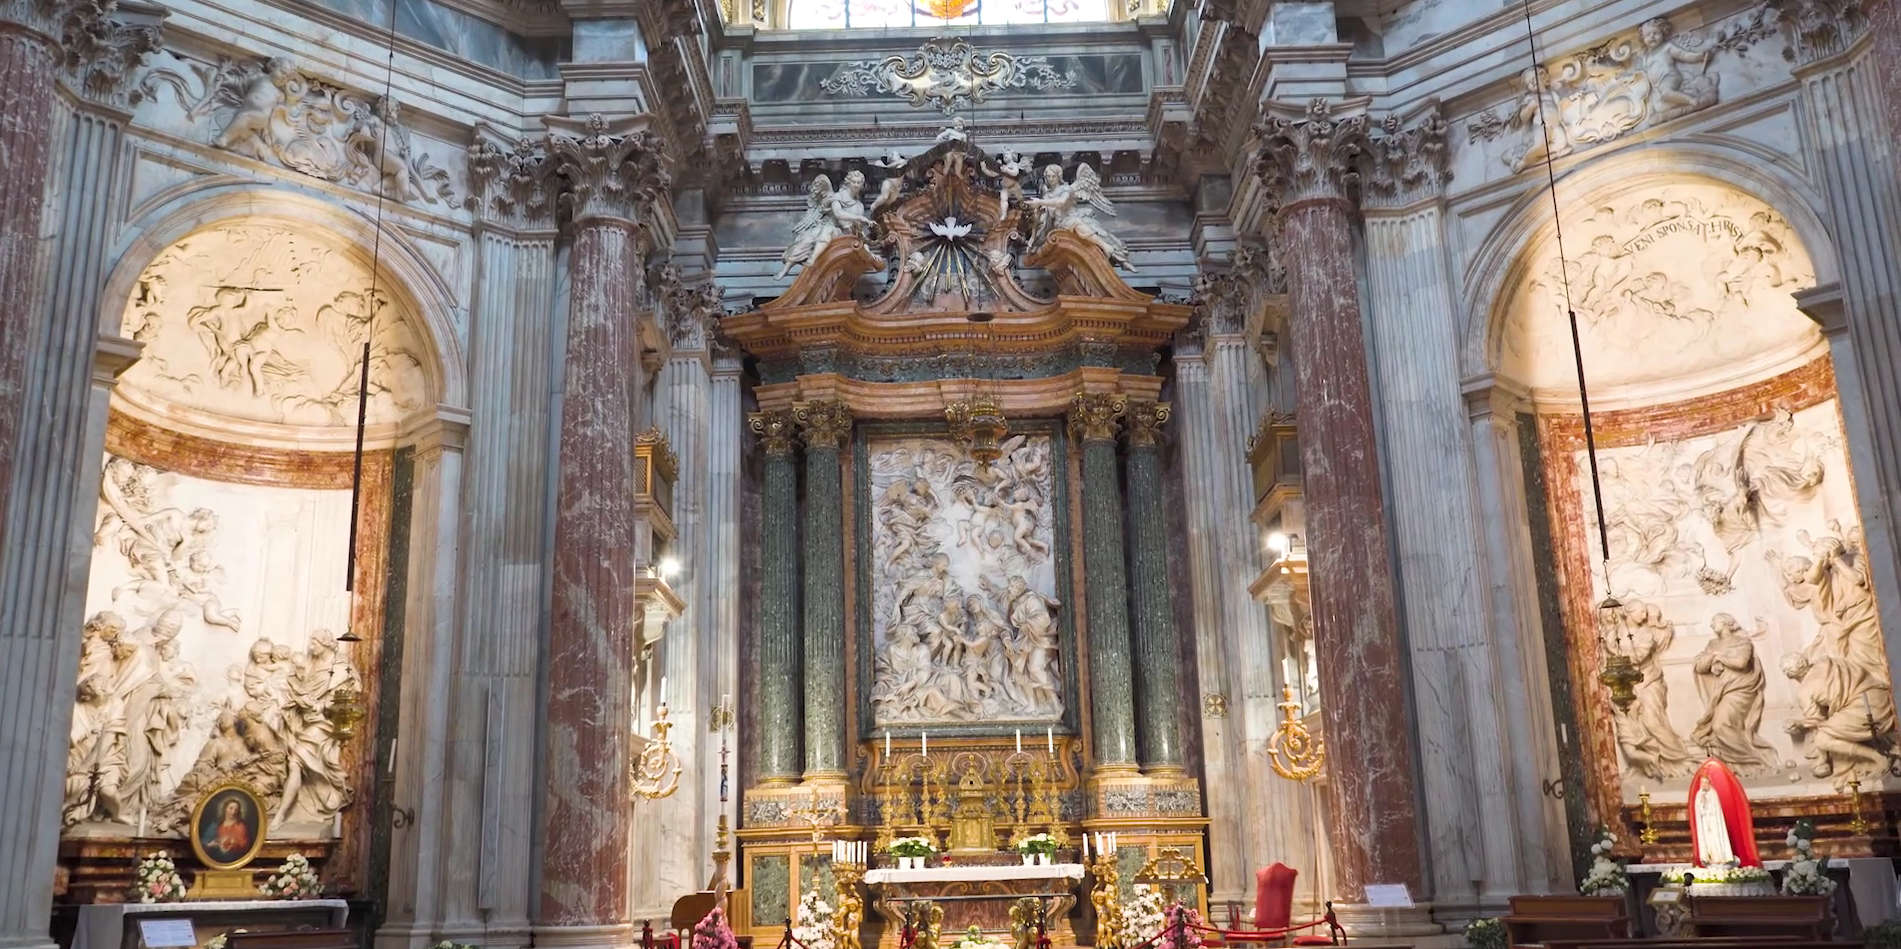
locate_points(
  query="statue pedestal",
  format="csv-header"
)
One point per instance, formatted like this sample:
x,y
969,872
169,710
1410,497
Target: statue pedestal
x,y
976,896
224,885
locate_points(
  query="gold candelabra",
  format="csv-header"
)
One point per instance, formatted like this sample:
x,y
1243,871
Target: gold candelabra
x,y
1648,835
816,816
1857,825
849,916
1106,898
655,771
1292,751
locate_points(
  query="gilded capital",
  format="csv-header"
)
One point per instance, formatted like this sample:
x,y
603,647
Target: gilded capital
x,y
1145,421
608,170
1407,161
1312,153
1093,415
775,430
824,424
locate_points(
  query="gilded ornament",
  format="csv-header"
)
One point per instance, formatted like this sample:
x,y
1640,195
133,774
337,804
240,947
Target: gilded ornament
x,y
849,915
1093,415
775,430
1106,898
655,770
654,442
980,424
824,424
1292,750
1145,421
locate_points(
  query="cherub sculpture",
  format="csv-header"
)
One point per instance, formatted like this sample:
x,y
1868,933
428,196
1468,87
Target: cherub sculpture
x,y
1073,207
829,214
1010,167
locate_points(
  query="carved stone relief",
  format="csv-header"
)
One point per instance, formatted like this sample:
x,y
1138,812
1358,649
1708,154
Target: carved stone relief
x,y
1740,561
272,111
947,74
258,322
209,653
1628,83
1680,287
964,605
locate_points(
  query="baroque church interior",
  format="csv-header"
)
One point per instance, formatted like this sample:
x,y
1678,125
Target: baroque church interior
x,y
949,474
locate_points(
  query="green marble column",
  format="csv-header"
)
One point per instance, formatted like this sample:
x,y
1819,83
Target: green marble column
x,y
1158,661
778,656
1092,421
825,426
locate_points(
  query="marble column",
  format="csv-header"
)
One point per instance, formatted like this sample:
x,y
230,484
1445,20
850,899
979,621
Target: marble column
x,y
720,561
54,272
777,675
825,426
1308,159
1158,677
1093,420
604,169
1482,705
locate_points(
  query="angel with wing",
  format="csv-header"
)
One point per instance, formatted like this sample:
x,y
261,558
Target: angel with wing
x,y
829,214
1010,167
1073,207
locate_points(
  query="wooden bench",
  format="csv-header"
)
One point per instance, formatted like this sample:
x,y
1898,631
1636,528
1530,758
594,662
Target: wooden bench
x,y
1790,917
1542,919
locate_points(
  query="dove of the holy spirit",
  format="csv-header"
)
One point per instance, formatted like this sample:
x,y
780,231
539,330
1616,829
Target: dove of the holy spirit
x,y
949,229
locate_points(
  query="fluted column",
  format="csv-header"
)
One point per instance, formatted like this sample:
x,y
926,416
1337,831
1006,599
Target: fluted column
x,y
825,426
1158,678
604,170
1308,161
777,674
720,561
55,361
1093,420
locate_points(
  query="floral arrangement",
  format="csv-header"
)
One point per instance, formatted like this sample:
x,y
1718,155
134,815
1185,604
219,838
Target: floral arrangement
x,y
911,847
444,944
1607,876
812,923
1807,874
1144,916
1037,843
974,938
219,941
295,880
155,879
1695,875
713,932
1487,933
1886,935
1182,920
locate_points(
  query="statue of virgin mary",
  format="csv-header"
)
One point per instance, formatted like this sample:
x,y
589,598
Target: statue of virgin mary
x,y
1722,832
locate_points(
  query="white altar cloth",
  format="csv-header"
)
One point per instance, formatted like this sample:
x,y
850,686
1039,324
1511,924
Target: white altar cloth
x,y
1871,880
970,874
102,925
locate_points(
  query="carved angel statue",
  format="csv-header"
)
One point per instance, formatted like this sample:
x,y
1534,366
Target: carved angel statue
x,y
1010,167
829,214
1073,207
1540,114
891,160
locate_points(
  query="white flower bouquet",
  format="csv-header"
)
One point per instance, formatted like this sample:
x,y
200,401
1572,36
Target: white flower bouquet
x,y
1807,874
1037,844
1145,915
974,938
912,847
155,879
1607,876
1485,933
295,880
812,924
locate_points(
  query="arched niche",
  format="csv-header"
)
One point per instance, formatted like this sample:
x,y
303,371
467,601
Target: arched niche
x,y
216,645
1734,536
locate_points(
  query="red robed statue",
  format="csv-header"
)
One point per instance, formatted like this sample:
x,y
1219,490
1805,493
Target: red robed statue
x,y
1722,832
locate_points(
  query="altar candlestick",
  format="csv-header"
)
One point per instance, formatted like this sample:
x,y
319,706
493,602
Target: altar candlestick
x,y
141,822
887,743
663,690
1085,846
1019,741
924,743
1049,735
336,825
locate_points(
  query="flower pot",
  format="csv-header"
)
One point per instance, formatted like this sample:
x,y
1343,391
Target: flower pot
x,y
910,863
1029,859
1042,860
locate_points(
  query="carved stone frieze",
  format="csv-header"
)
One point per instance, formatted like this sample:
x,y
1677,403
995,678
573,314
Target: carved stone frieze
x,y
1407,162
1094,416
1311,154
948,74
1145,421
612,170
824,424
776,430
273,111
508,181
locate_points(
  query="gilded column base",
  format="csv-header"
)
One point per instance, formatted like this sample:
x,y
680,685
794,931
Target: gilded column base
x,y
1128,793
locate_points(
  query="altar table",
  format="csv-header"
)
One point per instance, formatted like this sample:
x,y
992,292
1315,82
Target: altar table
x,y
106,925
978,896
1867,891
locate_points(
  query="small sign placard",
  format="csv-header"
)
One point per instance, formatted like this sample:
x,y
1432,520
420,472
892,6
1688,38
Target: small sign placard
x,y
167,933
1388,896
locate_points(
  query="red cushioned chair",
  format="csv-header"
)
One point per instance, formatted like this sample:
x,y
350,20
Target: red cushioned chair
x,y
1274,911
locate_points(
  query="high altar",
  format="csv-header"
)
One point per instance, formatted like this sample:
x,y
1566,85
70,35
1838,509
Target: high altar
x,y
952,617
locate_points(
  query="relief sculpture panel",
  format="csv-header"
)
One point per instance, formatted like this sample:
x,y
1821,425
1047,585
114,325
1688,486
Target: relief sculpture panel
x,y
964,583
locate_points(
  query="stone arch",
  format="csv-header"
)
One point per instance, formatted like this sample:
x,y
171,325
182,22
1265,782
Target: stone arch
x,y
1528,226
411,280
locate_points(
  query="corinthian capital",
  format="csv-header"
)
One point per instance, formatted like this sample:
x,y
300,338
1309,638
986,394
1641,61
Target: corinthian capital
x,y
824,424
1311,153
613,170
106,43
1093,416
1407,160
508,181
1145,421
775,430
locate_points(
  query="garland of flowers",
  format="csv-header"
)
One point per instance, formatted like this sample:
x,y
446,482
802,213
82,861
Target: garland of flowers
x,y
156,879
1607,876
295,880
1696,875
1486,933
1145,915
813,925
1183,921
911,847
713,932
1807,874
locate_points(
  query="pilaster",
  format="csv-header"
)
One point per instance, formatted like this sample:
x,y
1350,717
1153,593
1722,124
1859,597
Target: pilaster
x,y
1093,421
824,426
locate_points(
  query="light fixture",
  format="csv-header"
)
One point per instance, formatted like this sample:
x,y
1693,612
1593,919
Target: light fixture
x,y
1277,542
669,567
980,424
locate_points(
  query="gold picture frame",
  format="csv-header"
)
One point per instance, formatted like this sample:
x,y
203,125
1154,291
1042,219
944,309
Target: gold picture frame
x,y
223,838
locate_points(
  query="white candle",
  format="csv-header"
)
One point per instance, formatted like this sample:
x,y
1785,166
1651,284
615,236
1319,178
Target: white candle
x,y
663,690
336,825
141,822
1049,735
924,743
1085,848
1019,741
887,742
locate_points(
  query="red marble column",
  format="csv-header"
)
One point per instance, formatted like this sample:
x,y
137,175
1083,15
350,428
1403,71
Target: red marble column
x,y
602,171
1308,163
29,61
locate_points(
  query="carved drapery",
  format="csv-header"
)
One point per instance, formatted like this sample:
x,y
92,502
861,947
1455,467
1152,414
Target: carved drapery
x,y
1158,679
824,425
778,651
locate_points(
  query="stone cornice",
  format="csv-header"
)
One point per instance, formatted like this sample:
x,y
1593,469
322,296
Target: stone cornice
x,y
844,328
1049,396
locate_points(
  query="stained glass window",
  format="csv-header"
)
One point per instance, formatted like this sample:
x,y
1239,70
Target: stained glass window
x,y
842,14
